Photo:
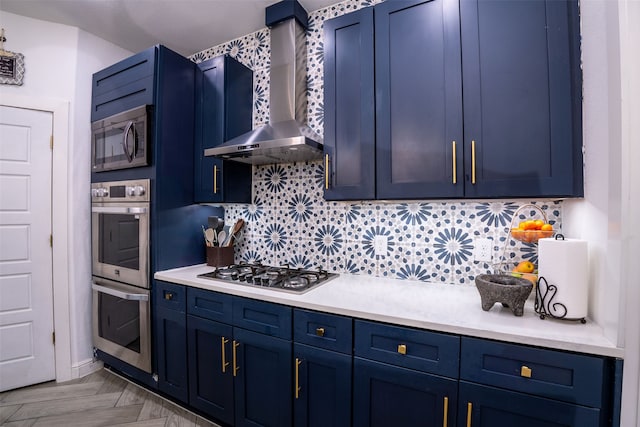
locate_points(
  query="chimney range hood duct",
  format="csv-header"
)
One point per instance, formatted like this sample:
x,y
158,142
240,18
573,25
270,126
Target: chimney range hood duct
x,y
286,138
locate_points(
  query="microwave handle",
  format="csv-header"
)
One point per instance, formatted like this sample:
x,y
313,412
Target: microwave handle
x,y
120,294
125,141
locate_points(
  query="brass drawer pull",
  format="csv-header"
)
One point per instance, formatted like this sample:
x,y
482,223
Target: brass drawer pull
x,y
224,357
298,388
326,171
445,415
402,348
215,179
469,410
234,357
320,332
168,296
525,371
455,172
473,161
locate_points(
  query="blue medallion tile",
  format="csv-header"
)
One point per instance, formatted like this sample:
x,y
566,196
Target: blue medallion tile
x,y
262,48
260,97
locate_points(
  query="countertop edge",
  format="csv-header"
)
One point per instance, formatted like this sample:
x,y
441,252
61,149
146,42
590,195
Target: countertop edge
x,y
187,276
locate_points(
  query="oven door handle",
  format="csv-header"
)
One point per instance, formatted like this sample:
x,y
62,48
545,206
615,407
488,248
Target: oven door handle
x,y
120,294
118,210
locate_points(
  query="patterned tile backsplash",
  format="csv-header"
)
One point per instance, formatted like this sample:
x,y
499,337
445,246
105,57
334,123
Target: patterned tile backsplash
x,y
289,222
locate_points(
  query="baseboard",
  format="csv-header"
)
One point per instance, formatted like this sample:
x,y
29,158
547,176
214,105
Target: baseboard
x,y
85,368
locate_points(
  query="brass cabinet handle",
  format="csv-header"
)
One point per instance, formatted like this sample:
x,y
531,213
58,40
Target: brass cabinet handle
x,y
320,332
234,357
473,161
469,409
402,348
298,388
455,172
168,296
445,416
326,171
525,371
215,179
224,357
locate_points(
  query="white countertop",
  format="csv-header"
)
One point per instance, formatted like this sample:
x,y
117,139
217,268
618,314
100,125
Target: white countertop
x,y
438,307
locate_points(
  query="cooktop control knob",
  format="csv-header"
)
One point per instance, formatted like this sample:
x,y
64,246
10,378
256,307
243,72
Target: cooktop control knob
x,y
139,190
94,192
103,192
131,191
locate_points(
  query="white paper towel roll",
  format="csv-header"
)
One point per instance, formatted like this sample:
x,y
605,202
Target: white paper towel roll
x,y
564,263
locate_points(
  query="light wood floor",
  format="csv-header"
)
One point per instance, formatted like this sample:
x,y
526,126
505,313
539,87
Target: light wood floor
x,y
99,399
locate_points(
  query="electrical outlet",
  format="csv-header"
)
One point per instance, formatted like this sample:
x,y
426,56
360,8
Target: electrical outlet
x,y
482,250
380,245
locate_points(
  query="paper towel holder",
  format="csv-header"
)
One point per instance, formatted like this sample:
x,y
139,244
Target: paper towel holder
x,y
545,306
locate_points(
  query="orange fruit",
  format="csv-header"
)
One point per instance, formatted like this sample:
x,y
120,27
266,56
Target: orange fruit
x,y
546,227
525,267
521,225
529,224
538,223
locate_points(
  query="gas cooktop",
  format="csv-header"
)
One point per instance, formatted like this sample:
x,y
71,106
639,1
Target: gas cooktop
x,y
278,278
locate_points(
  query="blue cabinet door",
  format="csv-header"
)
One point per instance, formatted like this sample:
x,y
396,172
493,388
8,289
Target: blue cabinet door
x,y
418,99
125,85
171,352
263,374
386,395
224,90
210,368
484,406
522,99
323,379
349,115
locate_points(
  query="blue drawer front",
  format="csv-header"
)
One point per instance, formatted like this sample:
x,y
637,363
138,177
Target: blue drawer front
x,y
170,296
323,330
569,377
266,318
209,305
425,351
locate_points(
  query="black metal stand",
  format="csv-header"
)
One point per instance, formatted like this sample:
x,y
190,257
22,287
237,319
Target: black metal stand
x,y
545,306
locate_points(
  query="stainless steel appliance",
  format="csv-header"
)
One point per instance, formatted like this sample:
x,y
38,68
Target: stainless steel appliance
x,y
279,278
121,141
120,231
286,138
120,282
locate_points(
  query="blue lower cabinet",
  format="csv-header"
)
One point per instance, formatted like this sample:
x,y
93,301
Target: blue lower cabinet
x,y
210,368
169,324
386,395
263,379
171,345
485,406
323,380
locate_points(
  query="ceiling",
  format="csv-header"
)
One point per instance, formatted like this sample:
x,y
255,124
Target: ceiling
x,y
185,26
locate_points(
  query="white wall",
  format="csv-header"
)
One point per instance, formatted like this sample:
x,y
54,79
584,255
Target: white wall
x,y
609,215
59,63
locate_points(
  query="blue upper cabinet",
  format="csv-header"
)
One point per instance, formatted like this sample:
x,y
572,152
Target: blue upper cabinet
x,y
418,99
473,98
522,98
349,114
123,86
223,111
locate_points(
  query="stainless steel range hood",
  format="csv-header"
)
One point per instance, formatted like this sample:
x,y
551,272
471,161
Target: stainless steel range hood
x,y
286,138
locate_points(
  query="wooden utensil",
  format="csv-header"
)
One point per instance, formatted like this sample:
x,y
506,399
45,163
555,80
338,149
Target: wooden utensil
x,y
234,232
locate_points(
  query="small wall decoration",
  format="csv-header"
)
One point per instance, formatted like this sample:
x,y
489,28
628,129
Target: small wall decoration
x,y
11,65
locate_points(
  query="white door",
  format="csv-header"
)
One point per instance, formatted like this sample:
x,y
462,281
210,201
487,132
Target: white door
x,y
26,282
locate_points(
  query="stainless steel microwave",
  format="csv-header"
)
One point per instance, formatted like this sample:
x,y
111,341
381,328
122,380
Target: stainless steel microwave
x,y
121,141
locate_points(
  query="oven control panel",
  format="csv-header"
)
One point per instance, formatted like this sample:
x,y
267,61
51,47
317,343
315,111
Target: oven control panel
x,y
121,191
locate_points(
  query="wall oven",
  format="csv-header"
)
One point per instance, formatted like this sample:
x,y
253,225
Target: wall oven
x,y
120,263
121,141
